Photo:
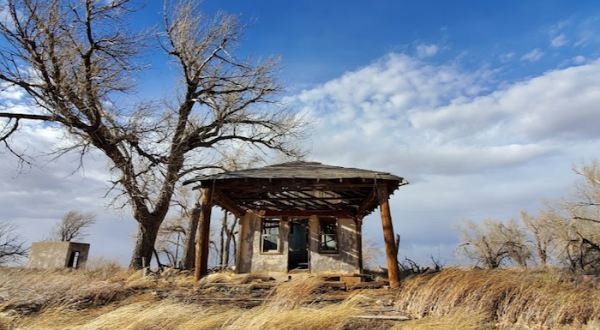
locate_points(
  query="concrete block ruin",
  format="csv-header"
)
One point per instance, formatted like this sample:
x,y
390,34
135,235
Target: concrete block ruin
x,y
58,255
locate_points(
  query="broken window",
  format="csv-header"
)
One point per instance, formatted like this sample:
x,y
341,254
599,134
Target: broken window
x,y
328,238
270,235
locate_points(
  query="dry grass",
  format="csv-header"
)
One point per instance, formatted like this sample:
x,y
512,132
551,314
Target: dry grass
x,y
92,299
509,297
113,298
292,294
457,320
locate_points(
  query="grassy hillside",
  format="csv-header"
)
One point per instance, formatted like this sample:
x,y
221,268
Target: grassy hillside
x,y
108,297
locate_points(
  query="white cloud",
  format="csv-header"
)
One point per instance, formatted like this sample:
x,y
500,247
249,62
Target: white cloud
x,y
424,50
559,41
533,56
467,151
12,93
560,104
506,57
579,59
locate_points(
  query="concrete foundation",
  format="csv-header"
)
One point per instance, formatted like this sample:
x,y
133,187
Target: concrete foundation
x,y
56,255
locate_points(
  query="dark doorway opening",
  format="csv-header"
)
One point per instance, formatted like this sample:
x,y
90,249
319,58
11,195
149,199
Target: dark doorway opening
x,y
298,245
74,259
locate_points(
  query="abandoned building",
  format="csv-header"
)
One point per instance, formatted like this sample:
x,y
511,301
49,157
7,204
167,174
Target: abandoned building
x,y
299,217
56,255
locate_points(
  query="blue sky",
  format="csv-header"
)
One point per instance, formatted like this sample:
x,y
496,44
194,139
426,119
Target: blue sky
x,y
482,106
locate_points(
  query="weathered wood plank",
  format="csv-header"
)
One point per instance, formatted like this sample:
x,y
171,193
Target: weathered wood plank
x,y
382,317
365,285
229,204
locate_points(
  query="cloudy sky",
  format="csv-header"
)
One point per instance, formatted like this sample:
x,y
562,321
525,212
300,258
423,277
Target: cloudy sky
x,y
482,106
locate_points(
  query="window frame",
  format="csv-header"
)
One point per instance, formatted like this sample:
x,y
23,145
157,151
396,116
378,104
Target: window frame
x,y
263,235
336,235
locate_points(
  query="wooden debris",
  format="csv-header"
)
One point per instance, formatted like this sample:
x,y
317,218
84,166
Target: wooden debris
x,y
382,317
367,285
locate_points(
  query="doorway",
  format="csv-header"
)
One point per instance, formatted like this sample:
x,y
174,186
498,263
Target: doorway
x,y
74,260
298,245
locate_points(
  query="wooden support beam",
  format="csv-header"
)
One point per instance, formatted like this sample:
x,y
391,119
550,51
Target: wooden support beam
x,y
366,202
308,213
203,235
251,199
228,204
388,236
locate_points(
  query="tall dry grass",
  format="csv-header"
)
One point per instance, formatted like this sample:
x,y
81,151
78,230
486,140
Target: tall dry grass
x,y
507,296
51,300
102,298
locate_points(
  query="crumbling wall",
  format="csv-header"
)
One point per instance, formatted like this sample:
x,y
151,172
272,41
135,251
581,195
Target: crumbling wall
x,y
346,260
251,259
55,255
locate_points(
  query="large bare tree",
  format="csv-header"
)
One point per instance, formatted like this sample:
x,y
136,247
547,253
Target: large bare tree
x,y
77,62
72,226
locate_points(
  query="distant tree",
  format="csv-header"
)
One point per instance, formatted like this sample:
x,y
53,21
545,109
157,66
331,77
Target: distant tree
x,y
72,226
171,238
371,252
12,246
544,229
479,245
516,243
77,63
580,234
493,242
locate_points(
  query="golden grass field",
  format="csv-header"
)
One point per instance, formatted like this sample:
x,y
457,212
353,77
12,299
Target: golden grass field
x,y
108,297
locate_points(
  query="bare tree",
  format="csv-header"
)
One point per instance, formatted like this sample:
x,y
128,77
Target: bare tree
x,y
12,246
478,245
544,229
189,248
493,242
171,238
370,252
76,61
580,235
72,226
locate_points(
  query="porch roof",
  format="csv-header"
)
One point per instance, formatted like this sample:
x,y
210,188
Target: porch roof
x,y
299,188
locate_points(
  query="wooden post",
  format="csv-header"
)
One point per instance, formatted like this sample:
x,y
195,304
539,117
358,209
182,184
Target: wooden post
x,y
359,247
201,268
388,236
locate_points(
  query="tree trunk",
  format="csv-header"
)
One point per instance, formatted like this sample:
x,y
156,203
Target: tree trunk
x,y
234,241
230,236
222,240
144,244
227,248
189,250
